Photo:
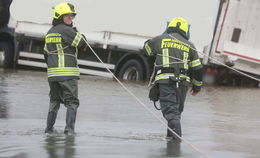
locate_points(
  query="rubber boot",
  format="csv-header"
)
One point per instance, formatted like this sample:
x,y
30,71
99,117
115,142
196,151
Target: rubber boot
x,y
70,121
50,122
176,127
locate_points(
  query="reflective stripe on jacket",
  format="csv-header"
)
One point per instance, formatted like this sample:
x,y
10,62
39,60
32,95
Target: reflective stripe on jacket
x,y
175,57
61,46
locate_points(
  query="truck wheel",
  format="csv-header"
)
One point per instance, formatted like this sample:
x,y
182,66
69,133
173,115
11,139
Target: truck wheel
x,y
6,55
132,70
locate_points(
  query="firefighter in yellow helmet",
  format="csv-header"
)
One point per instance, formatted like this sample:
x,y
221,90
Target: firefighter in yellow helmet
x,y
177,66
61,47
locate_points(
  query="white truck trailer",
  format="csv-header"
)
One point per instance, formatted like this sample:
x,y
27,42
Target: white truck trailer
x,y
122,53
22,43
235,42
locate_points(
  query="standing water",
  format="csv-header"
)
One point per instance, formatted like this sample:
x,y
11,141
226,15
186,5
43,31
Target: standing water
x,y
223,122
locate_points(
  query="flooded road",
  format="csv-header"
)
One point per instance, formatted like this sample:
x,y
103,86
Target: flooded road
x,y
223,122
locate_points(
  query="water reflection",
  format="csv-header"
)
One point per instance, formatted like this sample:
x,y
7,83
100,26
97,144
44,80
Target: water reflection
x,y
221,121
173,148
60,146
3,102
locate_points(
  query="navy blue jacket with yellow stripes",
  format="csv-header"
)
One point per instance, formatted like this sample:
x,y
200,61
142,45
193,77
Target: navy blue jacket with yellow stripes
x,y
175,57
61,49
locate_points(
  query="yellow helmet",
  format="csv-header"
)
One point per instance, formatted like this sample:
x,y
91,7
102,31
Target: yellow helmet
x,y
181,23
63,8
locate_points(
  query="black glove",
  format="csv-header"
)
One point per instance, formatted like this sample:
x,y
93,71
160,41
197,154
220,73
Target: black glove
x,y
74,28
195,89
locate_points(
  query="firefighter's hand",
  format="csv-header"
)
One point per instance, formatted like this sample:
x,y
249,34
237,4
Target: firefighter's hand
x,y
85,49
74,28
195,90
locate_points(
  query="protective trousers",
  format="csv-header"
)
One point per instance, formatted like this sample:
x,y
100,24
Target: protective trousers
x,y
172,100
65,92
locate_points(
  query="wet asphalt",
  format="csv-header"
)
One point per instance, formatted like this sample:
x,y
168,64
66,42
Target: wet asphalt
x,y
222,122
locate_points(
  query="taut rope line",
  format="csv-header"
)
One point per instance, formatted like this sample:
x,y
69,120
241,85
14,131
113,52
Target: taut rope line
x,y
144,106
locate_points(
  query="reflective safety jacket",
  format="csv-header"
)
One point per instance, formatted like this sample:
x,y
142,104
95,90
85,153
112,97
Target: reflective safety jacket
x,y
176,59
61,48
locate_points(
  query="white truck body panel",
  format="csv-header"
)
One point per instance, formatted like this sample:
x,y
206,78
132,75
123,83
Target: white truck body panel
x,y
236,14
32,29
146,17
121,40
237,36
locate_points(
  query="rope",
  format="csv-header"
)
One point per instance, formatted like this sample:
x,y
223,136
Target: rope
x,y
157,65
54,51
144,106
203,54
171,57
152,76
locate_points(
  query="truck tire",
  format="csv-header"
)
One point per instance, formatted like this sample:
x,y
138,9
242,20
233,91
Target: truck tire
x,y
6,55
132,70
